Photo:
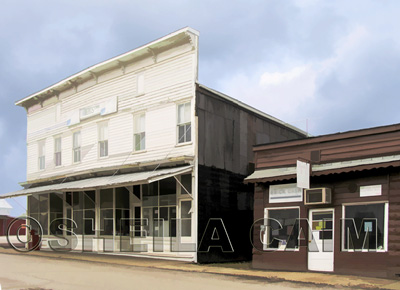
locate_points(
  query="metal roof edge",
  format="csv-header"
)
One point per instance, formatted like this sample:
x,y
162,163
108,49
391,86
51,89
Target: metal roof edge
x,y
282,172
185,29
252,109
329,137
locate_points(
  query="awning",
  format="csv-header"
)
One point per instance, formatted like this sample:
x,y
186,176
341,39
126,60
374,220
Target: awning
x,y
105,181
276,174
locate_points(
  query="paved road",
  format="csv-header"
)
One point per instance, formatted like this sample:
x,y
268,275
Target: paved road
x,y
41,273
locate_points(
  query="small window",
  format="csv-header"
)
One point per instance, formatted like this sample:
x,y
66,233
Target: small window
x,y
41,154
139,132
103,140
57,151
77,146
184,123
364,227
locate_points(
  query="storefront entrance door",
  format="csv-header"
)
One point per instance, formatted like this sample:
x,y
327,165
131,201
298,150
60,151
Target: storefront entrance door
x,y
321,240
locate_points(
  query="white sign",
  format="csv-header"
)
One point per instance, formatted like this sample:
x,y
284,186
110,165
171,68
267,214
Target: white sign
x,y
285,193
109,106
371,190
89,112
303,174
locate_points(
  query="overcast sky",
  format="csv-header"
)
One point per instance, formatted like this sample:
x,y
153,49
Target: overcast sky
x,y
334,65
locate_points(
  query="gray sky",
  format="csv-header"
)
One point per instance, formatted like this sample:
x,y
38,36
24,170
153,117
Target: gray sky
x,y
334,65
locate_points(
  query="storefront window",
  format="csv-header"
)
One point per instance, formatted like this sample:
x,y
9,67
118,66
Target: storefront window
x,y
159,208
38,209
122,211
280,225
56,213
364,227
106,211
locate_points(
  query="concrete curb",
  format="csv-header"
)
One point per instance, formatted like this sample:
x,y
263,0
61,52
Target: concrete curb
x,y
241,270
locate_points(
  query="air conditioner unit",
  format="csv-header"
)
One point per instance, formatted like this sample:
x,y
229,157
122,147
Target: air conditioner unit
x,y
317,196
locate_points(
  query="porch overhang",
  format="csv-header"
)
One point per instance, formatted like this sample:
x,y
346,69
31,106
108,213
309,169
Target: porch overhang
x,y
286,173
104,181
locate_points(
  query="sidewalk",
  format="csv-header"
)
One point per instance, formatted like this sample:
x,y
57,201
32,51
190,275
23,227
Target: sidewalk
x,y
233,269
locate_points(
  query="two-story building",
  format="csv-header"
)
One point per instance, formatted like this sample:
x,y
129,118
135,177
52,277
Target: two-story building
x,y
143,159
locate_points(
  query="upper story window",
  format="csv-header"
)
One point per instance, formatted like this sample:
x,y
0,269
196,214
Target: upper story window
x,y
77,146
57,151
184,123
139,132
103,139
41,154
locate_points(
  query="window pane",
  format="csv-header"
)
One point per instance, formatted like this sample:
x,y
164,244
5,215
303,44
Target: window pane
x,y
181,134
77,155
364,227
78,219
89,222
168,191
185,208
57,144
78,200
122,222
186,181
281,226
106,198
186,227
43,202
90,199
121,197
103,147
43,219
150,194
33,203
77,139
187,113
142,141
181,114
57,158
188,133
106,221
56,202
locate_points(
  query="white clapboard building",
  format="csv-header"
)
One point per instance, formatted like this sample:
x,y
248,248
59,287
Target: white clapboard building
x,y
141,157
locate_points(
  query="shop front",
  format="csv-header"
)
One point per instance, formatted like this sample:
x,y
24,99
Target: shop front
x,y
143,213
346,221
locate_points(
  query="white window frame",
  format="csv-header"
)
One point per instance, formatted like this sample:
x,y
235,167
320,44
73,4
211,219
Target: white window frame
x,y
265,247
77,148
42,154
186,122
385,226
102,140
57,152
140,132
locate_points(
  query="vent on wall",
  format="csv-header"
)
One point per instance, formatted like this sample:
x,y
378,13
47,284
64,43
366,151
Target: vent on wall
x,y
317,196
315,156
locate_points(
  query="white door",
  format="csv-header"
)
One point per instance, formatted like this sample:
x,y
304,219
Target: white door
x,y
321,240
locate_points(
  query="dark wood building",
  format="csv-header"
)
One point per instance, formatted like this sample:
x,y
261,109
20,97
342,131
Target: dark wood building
x,y
348,220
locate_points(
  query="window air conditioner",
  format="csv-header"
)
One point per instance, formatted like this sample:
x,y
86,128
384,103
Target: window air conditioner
x,y
317,196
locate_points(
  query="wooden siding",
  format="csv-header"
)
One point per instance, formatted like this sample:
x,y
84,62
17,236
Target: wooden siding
x,y
227,133
345,190
168,82
340,147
